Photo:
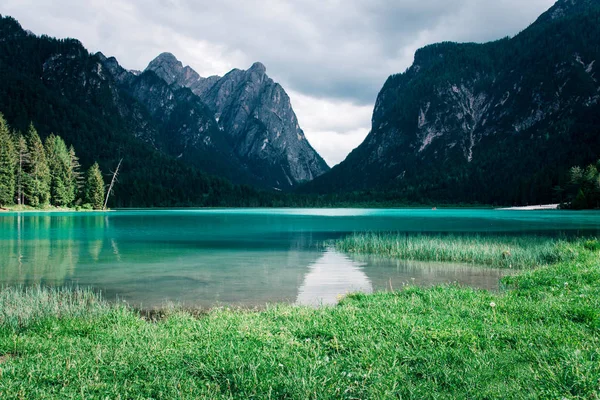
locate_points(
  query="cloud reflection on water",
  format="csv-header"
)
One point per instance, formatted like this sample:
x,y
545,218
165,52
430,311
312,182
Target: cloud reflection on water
x,y
332,275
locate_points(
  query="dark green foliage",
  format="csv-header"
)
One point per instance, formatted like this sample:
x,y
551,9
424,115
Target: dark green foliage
x,y
93,191
37,184
592,244
585,188
62,182
7,165
78,177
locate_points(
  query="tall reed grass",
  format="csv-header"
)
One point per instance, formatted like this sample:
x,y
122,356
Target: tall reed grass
x,y
520,252
22,306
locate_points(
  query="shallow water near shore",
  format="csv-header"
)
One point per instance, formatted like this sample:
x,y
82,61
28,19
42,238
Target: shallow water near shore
x,y
246,257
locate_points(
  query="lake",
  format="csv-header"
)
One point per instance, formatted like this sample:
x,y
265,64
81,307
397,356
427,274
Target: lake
x,y
246,257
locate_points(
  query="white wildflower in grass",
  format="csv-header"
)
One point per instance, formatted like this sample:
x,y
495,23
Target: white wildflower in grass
x,y
493,305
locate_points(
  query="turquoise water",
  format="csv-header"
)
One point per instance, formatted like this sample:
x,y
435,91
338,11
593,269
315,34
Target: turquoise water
x,y
245,257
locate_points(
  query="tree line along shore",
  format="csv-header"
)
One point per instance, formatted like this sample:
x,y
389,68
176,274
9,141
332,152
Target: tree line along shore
x,y
45,174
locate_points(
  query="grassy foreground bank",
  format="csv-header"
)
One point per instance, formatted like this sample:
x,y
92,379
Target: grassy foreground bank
x,y
539,339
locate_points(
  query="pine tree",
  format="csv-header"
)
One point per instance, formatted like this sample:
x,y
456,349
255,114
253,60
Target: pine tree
x,y
62,191
77,176
22,163
7,165
37,185
94,187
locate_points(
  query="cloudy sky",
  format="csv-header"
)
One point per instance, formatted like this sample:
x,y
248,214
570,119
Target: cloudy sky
x,y
331,56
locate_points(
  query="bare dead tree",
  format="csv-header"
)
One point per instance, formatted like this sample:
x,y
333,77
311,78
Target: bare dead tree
x,y
112,183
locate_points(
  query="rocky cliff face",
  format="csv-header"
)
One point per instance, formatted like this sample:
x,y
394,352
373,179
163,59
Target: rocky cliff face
x,y
186,128
255,115
497,123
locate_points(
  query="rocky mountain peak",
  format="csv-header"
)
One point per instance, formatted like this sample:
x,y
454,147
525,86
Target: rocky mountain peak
x,y
167,58
256,116
565,8
258,68
167,67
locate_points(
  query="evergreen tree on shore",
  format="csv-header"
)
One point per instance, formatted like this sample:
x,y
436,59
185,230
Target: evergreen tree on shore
x,y
37,185
585,187
7,165
22,161
77,176
94,187
62,188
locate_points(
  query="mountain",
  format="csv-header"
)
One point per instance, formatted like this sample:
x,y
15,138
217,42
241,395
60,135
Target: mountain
x,y
177,146
108,113
256,115
495,123
185,128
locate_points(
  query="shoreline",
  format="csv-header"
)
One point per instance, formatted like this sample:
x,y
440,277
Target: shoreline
x,y
46,210
532,208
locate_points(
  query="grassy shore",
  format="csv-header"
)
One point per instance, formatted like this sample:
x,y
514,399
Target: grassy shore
x,y
524,252
16,208
538,339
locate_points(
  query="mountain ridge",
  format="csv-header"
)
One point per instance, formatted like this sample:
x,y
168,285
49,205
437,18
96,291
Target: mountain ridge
x,y
62,88
168,117
256,114
460,123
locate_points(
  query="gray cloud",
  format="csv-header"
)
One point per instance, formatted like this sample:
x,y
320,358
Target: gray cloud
x,y
336,52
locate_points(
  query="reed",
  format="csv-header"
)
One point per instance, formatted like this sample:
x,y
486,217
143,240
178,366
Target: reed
x,y
23,306
522,252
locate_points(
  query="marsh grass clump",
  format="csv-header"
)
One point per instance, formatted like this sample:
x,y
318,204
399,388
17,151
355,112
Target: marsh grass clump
x,y
496,251
592,245
22,306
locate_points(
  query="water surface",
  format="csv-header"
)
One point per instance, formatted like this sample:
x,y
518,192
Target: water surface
x,y
245,257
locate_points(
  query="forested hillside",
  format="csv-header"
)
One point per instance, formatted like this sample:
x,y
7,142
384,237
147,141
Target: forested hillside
x,y
60,88
495,123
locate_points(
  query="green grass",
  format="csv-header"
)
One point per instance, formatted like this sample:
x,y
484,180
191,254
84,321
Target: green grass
x,y
46,208
497,251
538,339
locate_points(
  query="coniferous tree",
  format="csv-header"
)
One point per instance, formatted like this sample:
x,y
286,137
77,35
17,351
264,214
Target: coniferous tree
x,y
7,165
94,187
585,187
62,192
77,175
22,163
37,185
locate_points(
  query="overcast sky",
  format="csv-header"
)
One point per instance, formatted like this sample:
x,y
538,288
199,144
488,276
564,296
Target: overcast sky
x,y
331,56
